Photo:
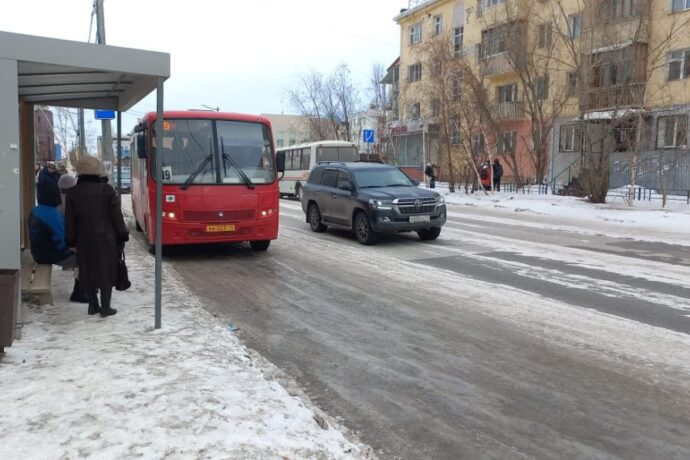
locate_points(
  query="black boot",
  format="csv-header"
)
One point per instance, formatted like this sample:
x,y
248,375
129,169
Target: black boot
x,y
106,294
78,294
94,308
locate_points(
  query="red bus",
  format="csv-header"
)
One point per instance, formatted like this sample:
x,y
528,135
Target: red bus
x,y
219,174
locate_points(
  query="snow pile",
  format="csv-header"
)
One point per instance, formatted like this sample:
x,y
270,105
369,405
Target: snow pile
x,y
648,220
80,385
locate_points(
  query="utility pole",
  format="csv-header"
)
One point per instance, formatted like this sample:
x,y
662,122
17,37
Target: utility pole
x,y
106,129
82,136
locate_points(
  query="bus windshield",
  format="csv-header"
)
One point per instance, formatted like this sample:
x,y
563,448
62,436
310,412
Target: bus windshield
x,y
190,150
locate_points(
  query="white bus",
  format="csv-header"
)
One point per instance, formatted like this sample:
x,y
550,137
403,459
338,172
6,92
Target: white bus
x,y
299,159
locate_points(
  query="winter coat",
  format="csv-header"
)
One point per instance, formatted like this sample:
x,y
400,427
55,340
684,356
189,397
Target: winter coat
x,y
95,226
429,171
46,184
498,171
47,235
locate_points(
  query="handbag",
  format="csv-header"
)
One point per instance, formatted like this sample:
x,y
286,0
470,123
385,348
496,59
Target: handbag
x,y
123,282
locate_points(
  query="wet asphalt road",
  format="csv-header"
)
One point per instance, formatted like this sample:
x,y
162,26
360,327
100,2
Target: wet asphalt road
x,y
487,343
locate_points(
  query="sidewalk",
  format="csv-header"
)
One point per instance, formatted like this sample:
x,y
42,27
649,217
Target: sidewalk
x,y
80,385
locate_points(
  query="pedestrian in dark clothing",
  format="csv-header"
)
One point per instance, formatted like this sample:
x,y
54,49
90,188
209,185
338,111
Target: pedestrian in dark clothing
x,y
429,171
47,234
498,173
96,229
47,182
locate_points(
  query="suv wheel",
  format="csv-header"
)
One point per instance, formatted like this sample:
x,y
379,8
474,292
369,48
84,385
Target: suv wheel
x,y
363,230
429,233
315,219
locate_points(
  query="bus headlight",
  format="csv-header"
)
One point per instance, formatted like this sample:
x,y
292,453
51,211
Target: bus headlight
x,y
169,215
266,212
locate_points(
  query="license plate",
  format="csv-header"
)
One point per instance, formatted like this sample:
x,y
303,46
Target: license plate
x,y
414,219
220,228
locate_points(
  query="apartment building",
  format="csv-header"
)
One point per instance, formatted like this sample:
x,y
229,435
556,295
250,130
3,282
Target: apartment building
x,y
289,129
559,81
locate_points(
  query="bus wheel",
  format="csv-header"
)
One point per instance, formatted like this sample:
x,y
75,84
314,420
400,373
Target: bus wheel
x,y
298,192
260,245
138,227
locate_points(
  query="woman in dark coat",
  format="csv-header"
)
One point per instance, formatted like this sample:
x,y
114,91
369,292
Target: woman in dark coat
x,y
94,226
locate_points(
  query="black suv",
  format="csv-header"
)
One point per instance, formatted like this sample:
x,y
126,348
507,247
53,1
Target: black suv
x,y
370,199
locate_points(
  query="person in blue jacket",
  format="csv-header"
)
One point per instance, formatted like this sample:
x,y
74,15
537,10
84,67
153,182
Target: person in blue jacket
x,y
47,232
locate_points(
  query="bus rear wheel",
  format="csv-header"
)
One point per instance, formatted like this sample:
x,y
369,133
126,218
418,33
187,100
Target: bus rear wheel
x,y
298,192
259,246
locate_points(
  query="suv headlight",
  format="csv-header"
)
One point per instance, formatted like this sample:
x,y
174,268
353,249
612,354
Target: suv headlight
x,y
440,200
381,204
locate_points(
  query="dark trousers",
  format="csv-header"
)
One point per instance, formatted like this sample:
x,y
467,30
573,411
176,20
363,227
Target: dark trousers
x,y
432,182
106,294
497,184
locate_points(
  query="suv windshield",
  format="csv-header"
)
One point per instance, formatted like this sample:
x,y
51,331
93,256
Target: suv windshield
x,y
190,149
388,177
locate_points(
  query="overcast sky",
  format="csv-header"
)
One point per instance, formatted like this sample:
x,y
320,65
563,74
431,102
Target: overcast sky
x,y
238,55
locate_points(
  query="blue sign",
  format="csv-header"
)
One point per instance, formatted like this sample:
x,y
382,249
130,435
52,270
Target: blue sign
x,y
368,136
58,152
104,114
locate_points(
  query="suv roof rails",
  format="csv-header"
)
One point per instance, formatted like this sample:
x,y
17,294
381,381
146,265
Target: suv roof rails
x,y
370,161
328,162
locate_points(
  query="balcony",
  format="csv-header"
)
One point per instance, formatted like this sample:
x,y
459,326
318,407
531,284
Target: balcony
x,y
606,35
496,64
510,110
615,97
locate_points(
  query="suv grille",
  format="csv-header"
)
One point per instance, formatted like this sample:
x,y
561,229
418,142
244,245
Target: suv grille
x,y
416,205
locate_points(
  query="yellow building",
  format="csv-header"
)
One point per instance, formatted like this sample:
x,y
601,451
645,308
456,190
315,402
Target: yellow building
x,y
617,70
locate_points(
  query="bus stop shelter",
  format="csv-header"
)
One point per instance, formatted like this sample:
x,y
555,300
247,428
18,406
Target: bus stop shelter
x,y
44,71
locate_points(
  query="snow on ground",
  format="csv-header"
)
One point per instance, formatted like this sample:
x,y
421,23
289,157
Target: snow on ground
x,y
646,220
80,385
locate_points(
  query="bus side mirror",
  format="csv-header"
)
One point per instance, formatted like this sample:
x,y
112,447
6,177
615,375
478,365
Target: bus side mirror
x,y
141,145
280,162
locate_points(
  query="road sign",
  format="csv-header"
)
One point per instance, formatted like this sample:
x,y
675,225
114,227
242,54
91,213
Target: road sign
x,y
104,114
369,137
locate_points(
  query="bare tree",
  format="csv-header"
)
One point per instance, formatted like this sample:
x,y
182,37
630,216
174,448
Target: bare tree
x,y
346,96
327,102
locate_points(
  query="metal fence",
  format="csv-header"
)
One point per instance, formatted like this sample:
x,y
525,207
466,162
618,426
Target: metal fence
x,y
662,171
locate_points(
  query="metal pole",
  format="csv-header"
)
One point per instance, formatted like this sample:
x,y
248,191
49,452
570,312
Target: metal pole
x,y
82,135
159,200
119,154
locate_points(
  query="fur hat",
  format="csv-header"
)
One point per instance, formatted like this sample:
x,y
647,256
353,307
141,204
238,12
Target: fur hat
x,y
90,166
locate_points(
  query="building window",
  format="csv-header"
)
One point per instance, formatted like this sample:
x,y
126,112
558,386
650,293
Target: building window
x,y
416,33
679,65
458,34
541,88
415,111
571,84
478,143
435,108
438,24
415,72
454,131
574,26
506,143
569,138
455,89
506,93
680,5
672,131
490,3
544,35
494,41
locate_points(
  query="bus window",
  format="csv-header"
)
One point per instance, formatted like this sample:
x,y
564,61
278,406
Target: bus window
x,y
306,159
249,147
186,144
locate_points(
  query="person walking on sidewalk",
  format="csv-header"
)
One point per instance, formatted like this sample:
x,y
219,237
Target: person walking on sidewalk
x,y
429,171
96,230
498,173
